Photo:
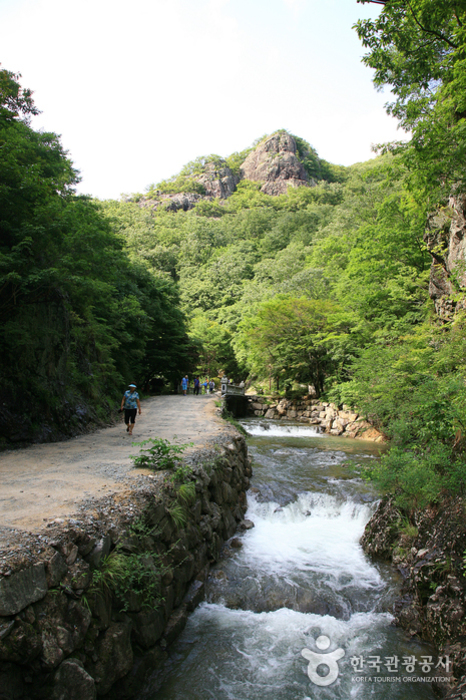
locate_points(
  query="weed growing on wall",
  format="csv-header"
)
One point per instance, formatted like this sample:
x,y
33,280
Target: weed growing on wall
x,y
128,575
179,515
161,454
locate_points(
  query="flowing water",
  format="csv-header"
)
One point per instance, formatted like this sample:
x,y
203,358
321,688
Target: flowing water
x,y
300,581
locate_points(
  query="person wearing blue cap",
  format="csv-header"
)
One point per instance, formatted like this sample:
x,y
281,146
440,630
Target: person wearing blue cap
x,y
130,402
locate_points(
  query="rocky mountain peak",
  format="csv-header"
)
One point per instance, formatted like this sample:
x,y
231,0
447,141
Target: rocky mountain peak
x,y
275,163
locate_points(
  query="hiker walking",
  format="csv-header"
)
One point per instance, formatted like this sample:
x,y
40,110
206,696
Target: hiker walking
x,y
131,404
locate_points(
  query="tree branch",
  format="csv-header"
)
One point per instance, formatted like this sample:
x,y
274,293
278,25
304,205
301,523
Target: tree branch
x,y
431,31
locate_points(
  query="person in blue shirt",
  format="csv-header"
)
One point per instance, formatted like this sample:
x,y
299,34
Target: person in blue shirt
x,y
184,384
130,402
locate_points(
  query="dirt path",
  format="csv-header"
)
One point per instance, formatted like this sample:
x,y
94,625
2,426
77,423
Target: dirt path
x,y
43,482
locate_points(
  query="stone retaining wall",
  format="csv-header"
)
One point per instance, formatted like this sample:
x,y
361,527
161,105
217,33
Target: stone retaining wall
x,y
327,416
72,627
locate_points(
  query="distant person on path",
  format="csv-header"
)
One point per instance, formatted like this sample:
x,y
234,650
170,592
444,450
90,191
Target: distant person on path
x,y
184,384
205,385
130,403
212,386
196,385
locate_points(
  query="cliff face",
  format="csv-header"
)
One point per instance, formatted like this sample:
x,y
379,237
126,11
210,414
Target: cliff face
x,y
428,554
275,163
219,181
445,238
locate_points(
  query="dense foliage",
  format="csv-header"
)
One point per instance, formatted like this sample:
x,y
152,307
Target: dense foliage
x,y
79,317
417,48
287,339
415,386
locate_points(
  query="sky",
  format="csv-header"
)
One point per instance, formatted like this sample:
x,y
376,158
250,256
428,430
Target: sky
x,y
138,88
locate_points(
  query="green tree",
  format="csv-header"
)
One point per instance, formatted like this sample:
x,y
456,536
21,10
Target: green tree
x,y
214,345
417,48
413,389
15,101
373,256
168,350
286,339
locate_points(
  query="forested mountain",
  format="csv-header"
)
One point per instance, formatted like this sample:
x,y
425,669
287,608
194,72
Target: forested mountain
x,y
284,277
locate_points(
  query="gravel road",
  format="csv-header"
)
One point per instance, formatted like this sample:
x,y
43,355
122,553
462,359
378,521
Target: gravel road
x,y
45,482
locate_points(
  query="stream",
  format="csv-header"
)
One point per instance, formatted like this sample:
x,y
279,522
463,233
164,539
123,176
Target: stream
x,y
298,611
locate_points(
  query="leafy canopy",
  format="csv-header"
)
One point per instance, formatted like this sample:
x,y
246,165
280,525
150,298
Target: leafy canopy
x,y
286,339
417,48
79,315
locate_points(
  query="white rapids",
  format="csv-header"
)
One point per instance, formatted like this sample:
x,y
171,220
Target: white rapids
x,y
299,577
266,428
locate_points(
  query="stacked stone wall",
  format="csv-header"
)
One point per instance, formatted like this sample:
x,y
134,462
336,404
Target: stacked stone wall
x,y
67,632
327,417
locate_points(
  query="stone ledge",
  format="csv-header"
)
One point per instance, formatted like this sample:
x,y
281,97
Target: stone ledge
x,y
22,588
342,422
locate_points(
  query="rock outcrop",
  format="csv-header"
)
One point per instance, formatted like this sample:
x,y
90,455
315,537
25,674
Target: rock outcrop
x,y
182,201
429,554
218,180
274,163
446,242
